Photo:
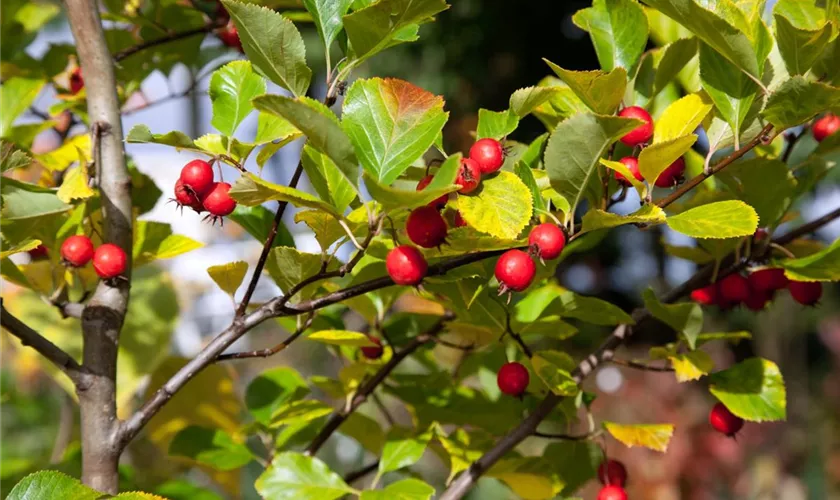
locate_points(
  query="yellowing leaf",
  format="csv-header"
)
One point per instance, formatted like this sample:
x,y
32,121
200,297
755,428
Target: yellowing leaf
x,y
500,207
723,219
21,247
654,159
341,337
229,276
653,436
691,365
250,190
63,156
820,266
681,118
601,91
75,185
598,219
154,240
623,170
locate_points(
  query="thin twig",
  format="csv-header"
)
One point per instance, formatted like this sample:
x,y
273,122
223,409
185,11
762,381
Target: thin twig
x,y
358,474
125,53
641,366
567,437
383,409
270,351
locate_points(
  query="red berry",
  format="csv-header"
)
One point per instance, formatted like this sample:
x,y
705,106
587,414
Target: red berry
x,y
489,155
426,227
734,288
38,252
198,175
760,234
758,300
217,201
672,175
438,202
406,265
77,83
724,421
548,240
513,378
77,250
185,196
768,280
373,352
632,164
826,126
515,270
806,293
469,176
706,296
612,472
640,134
230,36
459,220
612,492
109,261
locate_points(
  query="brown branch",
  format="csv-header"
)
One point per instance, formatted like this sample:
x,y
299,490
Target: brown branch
x,y
172,37
566,437
271,351
358,474
641,366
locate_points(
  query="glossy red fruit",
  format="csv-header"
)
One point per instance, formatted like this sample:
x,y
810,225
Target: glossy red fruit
x,y
640,134
760,234
489,155
513,378
469,176
515,270
198,175
758,300
373,352
406,265
438,202
724,421
612,492
184,196
426,227
612,472
632,164
230,36
77,83
825,126
459,220
38,252
76,251
109,261
548,240
707,296
768,280
217,201
672,175
806,293
734,288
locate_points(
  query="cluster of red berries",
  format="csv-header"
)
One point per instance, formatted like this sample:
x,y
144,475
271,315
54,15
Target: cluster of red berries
x,y
756,290
825,126
486,157
613,475
516,269
197,189
109,260
639,136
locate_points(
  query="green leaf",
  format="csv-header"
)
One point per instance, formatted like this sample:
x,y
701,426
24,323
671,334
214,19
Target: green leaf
x,y
391,123
691,365
685,318
288,267
231,89
272,44
327,179
526,100
733,337
229,276
401,450
562,104
821,266
598,219
723,219
501,207
576,462
12,158
271,389
24,246
765,184
385,23
799,46
320,126
622,169
672,59
341,337
294,476
753,390
250,190
258,220
154,240
16,95
367,431
681,118
273,128
46,484
554,368
464,448
393,199
599,90
654,159
405,489
212,447
526,175
327,16
554,299
574,149
798,100
618,29
653,436
528,477
297,412
496,124
27,201
176,139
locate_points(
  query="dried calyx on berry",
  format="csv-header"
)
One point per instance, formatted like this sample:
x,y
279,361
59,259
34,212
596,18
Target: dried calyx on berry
x,y
218,202
469,176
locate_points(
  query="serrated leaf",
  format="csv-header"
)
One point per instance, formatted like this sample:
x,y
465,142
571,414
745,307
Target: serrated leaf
x,y
562,104
599,90
16,95
212,447
154,240
294,476
231,89
176,139
405,489
723,219
554,368
229,276
653,436
526,100
217,144
496,124
391,123
654,159
800,47
297,412
753,390
393,199
798,100
274,128
75,185
288,267
12,158
271,389
401,450
258,221
691,365
325,226
622,169
327,179
250,190
327,16
341,337
28,201
598,219
501,206
821,266
272,44
618,29
685,317
51,484
681,118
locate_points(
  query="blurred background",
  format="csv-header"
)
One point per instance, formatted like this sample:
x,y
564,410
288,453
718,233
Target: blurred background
x,y
475,55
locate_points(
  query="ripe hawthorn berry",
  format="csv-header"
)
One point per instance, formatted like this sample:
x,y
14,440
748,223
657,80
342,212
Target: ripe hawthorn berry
x,y
76,251
38,252
611,492
760,234
632,164
198,176
426,227
217,201
184,196
109,261
406,265
723,421
230,36
373,352
758,299
489,154
806,293
640,134
706,296
469,176
672,175
77,82
547,241
513,378
768,279
734,288
438,202
612,472
515,270
825,126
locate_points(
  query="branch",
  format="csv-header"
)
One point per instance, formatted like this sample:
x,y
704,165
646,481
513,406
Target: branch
x,y
367,388
271,351
641,366
566,437
358,474
130,51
